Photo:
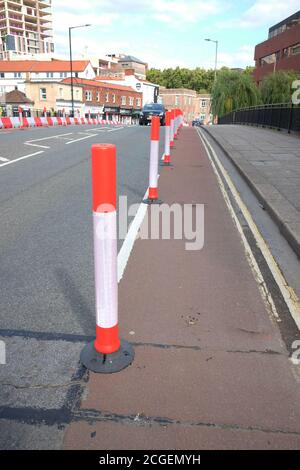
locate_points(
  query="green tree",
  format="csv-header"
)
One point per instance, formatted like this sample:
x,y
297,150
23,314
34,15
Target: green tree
x,y
233,90
277,87
197,79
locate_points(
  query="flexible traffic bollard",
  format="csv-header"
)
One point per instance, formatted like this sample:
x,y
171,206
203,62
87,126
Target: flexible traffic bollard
x,y
175,124
20,110
167,158
172,128
107,354
153,168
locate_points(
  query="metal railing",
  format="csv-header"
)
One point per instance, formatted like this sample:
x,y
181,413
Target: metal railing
x,y
276,116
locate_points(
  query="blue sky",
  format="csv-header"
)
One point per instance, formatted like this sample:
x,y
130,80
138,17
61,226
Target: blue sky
x,y
167,33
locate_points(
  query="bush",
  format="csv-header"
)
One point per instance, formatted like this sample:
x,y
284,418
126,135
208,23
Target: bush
x,y
277,87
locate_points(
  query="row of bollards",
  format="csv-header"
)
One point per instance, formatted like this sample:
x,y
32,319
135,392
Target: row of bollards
x,y
108,354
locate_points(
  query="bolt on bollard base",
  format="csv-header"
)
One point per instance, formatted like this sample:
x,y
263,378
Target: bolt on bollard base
x,y
152,197
166,161
107,363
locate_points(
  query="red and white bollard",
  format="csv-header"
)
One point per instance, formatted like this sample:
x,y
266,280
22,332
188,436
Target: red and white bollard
x,y
153,167
107,354
45,113
167,158
20,111
176,124
172,128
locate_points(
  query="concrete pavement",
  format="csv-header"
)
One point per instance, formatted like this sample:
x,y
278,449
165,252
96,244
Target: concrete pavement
x,y
270,162
211,369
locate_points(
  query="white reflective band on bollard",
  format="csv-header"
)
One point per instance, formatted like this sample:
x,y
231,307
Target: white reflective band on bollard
x,y
106,275
153,168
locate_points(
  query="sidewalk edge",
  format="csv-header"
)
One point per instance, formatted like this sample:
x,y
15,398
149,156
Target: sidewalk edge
x,y
276,212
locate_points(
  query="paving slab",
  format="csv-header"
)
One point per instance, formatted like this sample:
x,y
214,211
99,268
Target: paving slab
x,y
264,154
137,435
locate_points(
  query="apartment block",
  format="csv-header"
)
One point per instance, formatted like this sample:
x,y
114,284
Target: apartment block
x,y
25,28
281,51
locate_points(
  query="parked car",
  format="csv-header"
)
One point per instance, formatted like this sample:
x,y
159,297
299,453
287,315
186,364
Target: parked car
x,y
197,122
152,109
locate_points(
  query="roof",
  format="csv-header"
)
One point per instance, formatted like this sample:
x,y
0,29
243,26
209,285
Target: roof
x,y
84,81
42,66
290,19
17,97
131,58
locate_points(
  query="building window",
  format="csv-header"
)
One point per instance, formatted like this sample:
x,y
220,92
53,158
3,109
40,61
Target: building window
x,y
202,117
190,100
130,101
123,100
43,94
113,98
17,75
106,97
270,59
98,96
176,100
61,92
293,50
2,75
63,74
49,74
138,101
203,103
88,95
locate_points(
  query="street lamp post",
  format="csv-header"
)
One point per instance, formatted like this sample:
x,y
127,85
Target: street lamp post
x,y
216,56
71,62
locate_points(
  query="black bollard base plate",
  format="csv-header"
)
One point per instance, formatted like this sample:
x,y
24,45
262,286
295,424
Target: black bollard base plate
x,y
165,164
152,201
107,363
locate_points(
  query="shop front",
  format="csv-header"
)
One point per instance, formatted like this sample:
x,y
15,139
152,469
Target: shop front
x,y
111,113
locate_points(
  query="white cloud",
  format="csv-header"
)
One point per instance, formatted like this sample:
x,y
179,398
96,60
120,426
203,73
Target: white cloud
x,y
263,13
241,58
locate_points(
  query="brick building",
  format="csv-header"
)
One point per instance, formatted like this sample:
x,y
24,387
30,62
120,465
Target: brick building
x,y
192,104
113,101
281,51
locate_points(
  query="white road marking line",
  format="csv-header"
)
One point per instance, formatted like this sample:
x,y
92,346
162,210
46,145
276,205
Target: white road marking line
x,y
114,130
21,158
2,159
96,129
48,138
36,145
287,292
82,138
128,243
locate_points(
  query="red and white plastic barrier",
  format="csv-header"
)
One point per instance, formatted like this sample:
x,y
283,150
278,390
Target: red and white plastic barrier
x,y
22,122
107,353
172,126
105,247
153,166
167,156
